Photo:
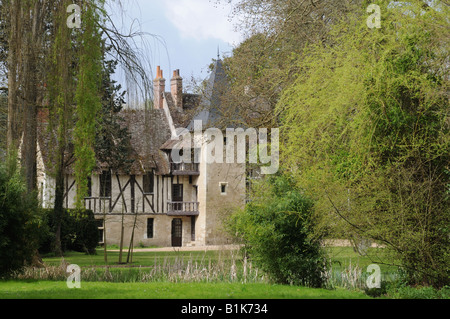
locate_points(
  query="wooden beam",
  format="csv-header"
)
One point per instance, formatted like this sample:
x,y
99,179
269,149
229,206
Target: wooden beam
x,y
145,197
120,194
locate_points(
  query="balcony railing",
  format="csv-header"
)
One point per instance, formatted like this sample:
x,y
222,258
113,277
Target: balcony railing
x,y
98,204
182,208
184,168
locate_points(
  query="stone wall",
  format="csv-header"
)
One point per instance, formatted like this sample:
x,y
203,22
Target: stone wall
x,y
162,230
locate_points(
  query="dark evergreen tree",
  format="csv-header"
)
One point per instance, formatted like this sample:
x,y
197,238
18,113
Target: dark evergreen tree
x,y
112,145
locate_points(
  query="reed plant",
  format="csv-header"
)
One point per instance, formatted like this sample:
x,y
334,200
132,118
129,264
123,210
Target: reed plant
x,y
226,267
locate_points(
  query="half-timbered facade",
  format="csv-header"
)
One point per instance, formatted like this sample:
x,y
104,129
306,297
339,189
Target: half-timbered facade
x,y
159,201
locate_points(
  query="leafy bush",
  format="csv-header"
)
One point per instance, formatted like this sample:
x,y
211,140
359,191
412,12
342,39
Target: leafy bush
x,y
19,222
275,228
79,232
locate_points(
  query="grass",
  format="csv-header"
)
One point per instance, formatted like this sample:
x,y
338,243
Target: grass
x,y
145,259
166,290
196,266
198,275
349,269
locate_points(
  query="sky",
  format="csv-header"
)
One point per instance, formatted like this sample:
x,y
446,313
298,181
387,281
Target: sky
x,y
189,33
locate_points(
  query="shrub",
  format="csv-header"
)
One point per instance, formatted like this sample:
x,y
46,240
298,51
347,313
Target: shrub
x,y
79,232
19,222
276,230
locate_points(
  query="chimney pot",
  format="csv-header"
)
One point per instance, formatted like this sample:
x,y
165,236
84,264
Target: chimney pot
x,y
159,87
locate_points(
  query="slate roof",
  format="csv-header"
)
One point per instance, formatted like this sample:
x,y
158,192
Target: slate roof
x,y
182,117
149,129
209,112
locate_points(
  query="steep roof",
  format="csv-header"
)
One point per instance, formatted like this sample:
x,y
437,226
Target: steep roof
x,y
211,101
182,117
148,130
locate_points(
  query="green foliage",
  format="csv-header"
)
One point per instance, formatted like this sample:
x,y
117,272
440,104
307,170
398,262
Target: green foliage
x,y
87,97
366,132
19,222
276,228
407,292
112,140
79,232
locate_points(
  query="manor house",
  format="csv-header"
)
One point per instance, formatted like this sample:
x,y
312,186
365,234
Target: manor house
x,y
159,201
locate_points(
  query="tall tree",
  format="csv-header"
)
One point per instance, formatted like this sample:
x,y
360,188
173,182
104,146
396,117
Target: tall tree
x,y
26,30
61,83
87,96
14,41
265,63
366,133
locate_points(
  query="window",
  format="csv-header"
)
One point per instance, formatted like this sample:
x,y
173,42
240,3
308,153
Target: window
x,y
105,184
101,227
148,183
223,188
150,222
177,192
89,185
192,228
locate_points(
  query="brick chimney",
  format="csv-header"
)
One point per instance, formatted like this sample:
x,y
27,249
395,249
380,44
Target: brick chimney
x,y
176,88
159,87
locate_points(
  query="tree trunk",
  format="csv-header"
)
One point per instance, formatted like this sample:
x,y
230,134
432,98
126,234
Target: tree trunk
x,y
13,134
25,41
60,99
124,210
29,147
59,202
105,249
33,15
130,249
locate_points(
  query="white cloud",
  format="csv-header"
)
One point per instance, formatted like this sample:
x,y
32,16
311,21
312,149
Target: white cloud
x,y
201,20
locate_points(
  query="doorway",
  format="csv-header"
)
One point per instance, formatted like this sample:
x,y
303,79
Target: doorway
x,y
177,196
177,232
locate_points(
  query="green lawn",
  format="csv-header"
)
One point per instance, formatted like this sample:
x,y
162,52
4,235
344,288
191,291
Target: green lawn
x,y
164,290
211,275
342,257
139,258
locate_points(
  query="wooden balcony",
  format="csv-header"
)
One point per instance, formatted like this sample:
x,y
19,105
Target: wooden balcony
x,y
185,168
98,204
182,209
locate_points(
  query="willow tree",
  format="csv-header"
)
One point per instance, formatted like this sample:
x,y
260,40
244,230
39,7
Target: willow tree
x,y
366,133
61,84
88,95
74,80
